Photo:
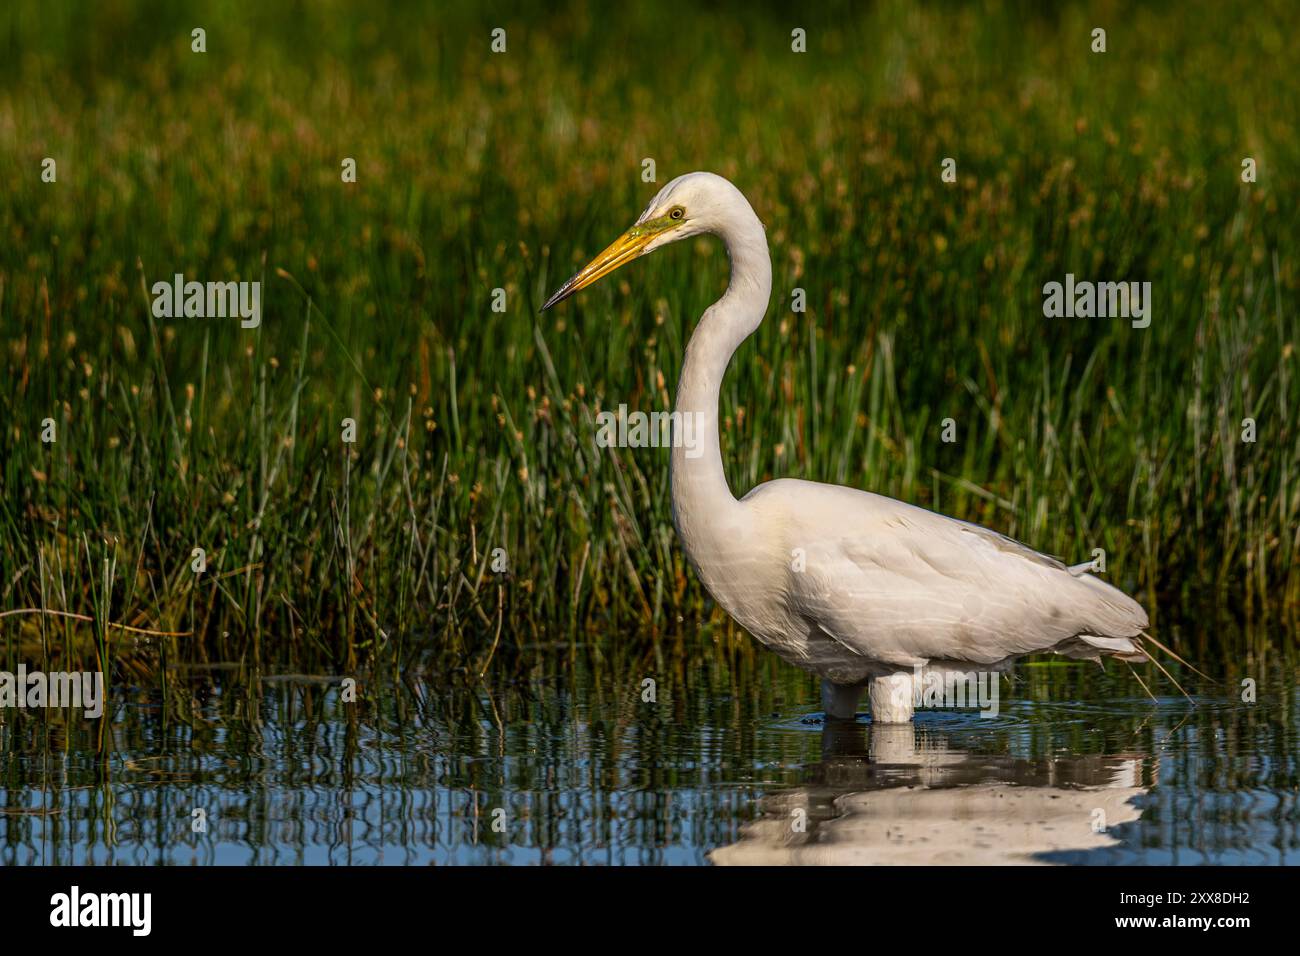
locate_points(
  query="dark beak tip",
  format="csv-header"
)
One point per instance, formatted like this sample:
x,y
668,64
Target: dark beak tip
x,y
560,295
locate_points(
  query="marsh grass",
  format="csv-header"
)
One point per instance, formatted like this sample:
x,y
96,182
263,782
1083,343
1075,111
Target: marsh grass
x,y
476,430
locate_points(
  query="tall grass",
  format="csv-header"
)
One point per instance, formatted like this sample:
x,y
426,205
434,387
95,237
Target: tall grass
x,y
476,429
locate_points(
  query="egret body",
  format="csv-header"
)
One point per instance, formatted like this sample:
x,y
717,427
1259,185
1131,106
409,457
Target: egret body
x,y
862,590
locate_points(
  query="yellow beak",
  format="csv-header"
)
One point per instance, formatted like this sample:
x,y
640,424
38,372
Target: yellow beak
x,y
620,252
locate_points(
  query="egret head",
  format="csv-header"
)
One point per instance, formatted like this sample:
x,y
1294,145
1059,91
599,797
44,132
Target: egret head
x,y
688,206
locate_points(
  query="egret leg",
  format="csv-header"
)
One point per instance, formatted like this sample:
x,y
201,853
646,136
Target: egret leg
x,y
892,700
840,701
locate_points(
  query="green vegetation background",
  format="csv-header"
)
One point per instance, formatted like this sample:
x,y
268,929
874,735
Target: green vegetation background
x,y
476,429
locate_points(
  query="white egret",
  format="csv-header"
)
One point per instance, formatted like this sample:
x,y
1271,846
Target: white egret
x,y
862,590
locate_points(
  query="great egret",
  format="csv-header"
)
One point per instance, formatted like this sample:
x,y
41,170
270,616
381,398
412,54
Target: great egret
x,y
862,590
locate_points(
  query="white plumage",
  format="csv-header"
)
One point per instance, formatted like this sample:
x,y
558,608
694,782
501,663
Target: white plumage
x,y
857,588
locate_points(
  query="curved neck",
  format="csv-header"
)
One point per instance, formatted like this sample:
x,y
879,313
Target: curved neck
x,y
701,497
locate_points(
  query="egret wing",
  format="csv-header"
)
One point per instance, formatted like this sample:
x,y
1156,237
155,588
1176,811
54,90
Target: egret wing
x,y
901,585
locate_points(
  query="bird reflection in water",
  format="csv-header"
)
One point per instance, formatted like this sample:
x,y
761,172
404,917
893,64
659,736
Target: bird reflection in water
x,y
898,794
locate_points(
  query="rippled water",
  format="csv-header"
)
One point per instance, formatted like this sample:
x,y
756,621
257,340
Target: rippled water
x,y
566,763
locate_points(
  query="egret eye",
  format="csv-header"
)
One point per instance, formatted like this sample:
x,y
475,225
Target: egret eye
x,y
676,212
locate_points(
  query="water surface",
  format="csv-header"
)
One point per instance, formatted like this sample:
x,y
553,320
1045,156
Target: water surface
x,y
564,762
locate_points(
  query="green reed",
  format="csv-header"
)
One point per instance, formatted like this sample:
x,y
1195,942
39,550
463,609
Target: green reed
x,y
476,429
